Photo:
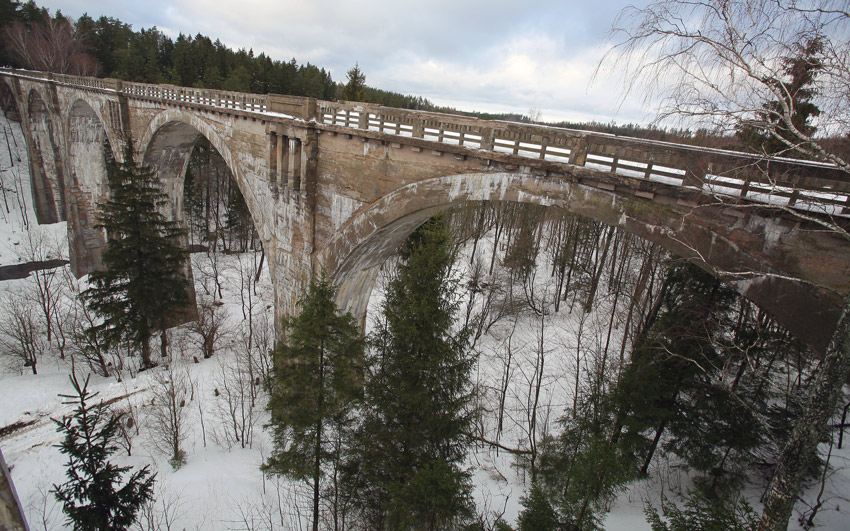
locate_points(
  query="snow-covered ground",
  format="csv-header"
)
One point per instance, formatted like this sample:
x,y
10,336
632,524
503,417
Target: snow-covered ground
x,y
220,487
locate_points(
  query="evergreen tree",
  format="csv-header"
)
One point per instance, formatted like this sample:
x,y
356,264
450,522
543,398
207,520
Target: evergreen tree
x,y
92,498
411,443
315,384
538,514
771,131
355,89
143,285
704,512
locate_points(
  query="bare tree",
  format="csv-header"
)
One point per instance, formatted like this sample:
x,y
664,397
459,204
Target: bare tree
x,y
73,317
237,412
208,327
51,45
724,64
168,414
21,334
40,248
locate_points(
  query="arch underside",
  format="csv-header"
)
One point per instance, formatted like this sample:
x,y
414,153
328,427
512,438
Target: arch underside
x,y
167,151
47,180
167,146
744,253
89,153
9,102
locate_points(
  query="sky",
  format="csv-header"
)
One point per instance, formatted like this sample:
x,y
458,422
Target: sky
x,y
490,56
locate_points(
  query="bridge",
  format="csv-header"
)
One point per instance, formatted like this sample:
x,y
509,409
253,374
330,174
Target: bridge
x,y
338,185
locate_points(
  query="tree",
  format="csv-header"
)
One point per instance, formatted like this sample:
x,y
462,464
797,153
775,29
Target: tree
x,y
412,441
143,285
92,498
22,338
315,384
538,514
765,131
704,512
355,89
50,45
722,63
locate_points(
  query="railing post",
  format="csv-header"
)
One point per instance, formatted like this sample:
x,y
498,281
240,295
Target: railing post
x,y
114,84
578,152
418,128
487,139
311,110
363,119
695,172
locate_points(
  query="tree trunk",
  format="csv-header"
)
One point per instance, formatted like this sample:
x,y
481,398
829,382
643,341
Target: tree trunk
x,y
784,486
317,470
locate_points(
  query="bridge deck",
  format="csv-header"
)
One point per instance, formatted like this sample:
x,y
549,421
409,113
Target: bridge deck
x,y
791,183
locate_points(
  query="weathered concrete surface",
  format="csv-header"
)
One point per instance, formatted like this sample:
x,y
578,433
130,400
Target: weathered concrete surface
x,y
342,197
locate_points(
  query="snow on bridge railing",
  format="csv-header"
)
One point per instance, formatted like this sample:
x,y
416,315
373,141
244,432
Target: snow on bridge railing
x,y
798,184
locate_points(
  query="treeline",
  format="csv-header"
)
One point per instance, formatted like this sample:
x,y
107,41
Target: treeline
x,y
150,56
108,47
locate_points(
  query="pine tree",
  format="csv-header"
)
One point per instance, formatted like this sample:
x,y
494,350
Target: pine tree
x,y
412,442
704,512
315,384
355,89
143,285
92,498
538,514
771,131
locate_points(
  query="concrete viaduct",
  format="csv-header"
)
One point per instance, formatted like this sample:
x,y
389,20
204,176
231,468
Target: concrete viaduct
x,y
338,185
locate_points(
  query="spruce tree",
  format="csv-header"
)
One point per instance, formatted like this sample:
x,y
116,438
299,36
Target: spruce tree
x,y
538,514
412,442
144,284
355,89
92,498
771,131
315,384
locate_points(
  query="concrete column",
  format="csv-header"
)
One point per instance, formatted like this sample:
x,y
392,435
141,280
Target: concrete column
x,y
273,158
280,159
294,164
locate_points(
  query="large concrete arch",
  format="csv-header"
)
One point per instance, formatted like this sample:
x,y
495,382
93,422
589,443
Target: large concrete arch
x,y
46,169
354,256
89,152
166,146
8,101
93,111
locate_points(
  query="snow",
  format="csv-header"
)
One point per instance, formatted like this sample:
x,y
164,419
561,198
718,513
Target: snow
x,y
221,487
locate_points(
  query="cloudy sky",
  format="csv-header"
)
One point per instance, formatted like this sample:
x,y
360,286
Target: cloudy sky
x,y
484,55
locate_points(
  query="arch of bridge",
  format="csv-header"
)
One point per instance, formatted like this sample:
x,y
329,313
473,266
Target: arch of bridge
x,y
8,99
80,106
354,255
88,164
174,128
45,178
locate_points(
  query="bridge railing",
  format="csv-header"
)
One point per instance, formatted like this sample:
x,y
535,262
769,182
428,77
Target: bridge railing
x,y
799,184
794,183
215,98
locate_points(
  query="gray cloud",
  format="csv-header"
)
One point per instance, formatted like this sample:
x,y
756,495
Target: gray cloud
x,y
486,55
